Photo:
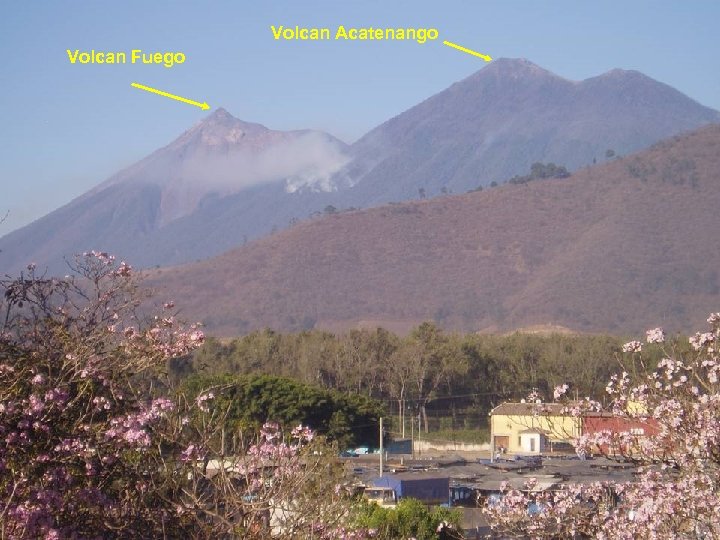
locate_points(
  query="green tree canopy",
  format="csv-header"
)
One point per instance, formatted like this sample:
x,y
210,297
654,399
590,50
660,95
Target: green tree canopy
x,y
410,519
249,401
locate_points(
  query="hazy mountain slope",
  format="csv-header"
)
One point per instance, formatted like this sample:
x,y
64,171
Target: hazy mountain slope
x,y
497,122
163,209
616,247
104,218
220,223
225,181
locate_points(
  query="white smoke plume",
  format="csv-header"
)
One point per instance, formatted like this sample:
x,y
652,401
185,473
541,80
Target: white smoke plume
x,y
306,161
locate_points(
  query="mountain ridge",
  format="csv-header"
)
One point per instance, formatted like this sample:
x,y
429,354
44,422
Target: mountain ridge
x,y
225,181
488,125
613,248
128,213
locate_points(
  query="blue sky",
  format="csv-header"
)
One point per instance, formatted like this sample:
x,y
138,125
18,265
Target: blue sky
x,y
65,128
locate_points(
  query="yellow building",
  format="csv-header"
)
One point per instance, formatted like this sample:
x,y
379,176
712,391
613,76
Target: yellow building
x,y
531,428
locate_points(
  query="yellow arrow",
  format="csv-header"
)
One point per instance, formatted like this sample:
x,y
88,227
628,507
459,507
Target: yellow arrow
x,y
204,106
469,51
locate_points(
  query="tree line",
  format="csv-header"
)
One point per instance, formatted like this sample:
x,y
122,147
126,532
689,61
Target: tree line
x,y
456,376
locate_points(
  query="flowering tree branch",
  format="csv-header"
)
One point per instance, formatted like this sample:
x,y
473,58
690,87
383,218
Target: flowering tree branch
x,y
93,442
677,490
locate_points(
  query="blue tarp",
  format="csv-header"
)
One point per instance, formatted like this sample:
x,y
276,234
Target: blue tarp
x,y
430,489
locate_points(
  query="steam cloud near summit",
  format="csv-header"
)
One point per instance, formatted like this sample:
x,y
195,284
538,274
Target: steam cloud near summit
x,y
306,161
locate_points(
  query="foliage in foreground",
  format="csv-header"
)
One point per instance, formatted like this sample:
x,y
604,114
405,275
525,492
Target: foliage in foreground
x,y
677,491
409,519
92,446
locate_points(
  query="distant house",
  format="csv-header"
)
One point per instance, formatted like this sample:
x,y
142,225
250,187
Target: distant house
x,y
533,441
632,430
531,428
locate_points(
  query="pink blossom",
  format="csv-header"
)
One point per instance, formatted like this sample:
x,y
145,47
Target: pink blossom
x,y
656,335
124,270
302,432
560,391
700,340
632,347
202,401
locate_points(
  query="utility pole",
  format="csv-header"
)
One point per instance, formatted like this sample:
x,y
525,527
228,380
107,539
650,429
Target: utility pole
x,y
419,433
412,436
381,447
492,439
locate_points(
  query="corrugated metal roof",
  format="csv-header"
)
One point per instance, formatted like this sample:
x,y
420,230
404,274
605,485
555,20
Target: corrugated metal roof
x,y
529,409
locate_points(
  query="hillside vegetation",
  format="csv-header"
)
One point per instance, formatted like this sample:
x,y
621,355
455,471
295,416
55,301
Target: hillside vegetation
x,y
614,248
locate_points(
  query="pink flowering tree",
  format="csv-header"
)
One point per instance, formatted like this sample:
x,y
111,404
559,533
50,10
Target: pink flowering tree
x,y
283,485
677,490
95,444
80,418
